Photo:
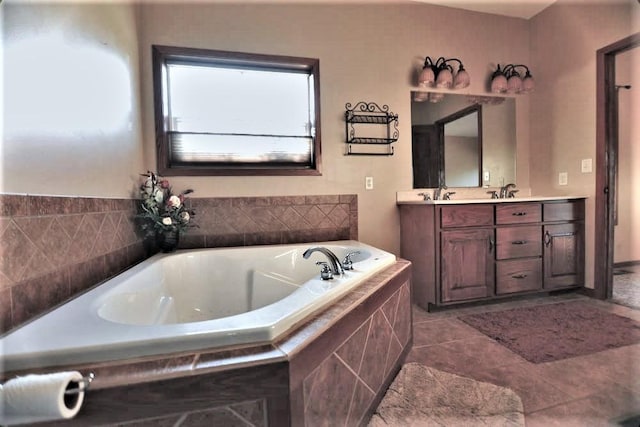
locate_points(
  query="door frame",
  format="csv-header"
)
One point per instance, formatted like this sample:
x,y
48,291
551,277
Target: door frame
x,y
606,163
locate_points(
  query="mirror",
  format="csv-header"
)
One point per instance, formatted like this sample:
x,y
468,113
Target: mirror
x,y
462,140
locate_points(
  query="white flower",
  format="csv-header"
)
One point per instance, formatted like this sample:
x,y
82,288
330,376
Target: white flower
x,y
185,216
167,221
159,196
174,201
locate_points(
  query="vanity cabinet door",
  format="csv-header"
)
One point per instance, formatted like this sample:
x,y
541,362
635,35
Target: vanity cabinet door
x,y
563,255
467,268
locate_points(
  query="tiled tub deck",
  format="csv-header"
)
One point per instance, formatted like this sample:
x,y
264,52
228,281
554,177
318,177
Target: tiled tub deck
x,y
333,370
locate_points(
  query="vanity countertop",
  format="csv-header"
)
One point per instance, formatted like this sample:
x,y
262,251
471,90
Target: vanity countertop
x,y
487,200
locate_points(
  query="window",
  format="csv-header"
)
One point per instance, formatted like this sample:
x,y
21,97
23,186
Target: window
x,y
231,113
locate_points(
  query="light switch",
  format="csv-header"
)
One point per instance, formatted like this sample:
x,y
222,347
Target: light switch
x,y
563,178
587,166
487,176
368,183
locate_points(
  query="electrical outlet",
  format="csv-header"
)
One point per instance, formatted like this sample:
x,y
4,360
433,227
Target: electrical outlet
x,y
368,183
487,176
563,178
587,166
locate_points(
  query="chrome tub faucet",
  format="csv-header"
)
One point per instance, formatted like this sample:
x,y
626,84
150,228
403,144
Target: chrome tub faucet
x,y
334,262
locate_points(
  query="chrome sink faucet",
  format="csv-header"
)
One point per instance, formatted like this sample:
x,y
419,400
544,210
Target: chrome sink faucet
x,y
438,192
506,191
334,261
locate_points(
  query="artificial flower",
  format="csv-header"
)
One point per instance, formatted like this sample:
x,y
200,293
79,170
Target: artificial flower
x,y
174,202
162,211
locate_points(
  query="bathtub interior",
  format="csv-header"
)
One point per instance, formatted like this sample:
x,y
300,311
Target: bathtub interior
x,y
149,309
198,286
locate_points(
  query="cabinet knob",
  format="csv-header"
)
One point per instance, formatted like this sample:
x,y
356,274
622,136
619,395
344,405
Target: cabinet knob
x,y
519,213
519,242
519,276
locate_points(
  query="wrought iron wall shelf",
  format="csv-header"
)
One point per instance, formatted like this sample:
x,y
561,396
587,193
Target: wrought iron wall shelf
x,y
369,113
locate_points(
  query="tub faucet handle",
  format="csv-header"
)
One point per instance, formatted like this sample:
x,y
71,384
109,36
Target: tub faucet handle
x,y
325,271
347,264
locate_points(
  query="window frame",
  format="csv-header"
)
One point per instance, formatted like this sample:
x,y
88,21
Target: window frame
x,y
160,55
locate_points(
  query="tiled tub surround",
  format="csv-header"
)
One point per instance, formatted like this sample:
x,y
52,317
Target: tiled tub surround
x,y
332,370
54,248
247,221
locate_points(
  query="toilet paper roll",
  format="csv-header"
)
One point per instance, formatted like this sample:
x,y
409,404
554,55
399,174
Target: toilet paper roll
x,y
35,398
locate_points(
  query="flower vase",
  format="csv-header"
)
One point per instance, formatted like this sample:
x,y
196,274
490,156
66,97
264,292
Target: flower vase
x,y
168,240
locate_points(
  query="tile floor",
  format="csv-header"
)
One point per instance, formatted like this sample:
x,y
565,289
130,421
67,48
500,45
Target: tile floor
x,y
626,286
599,389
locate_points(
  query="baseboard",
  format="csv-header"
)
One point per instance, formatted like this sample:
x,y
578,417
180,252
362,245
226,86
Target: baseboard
x,y
626,264
591,293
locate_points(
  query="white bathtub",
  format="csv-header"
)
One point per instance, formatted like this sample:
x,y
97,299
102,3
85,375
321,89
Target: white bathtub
x,y
188,300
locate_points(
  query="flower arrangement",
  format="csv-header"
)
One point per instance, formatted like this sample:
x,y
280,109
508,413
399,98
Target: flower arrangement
x,y
162,211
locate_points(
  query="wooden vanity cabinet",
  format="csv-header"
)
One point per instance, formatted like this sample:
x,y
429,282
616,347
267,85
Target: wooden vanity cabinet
x,y
563,244
518,248
472,252
466,252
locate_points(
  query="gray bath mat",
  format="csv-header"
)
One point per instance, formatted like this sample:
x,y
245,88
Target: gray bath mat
x,y
549,332
423,396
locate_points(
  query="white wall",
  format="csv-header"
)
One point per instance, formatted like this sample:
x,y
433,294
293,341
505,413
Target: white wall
x,y
71,99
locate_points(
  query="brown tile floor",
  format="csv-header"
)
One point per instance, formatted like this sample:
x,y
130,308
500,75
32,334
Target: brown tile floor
x,y
594,390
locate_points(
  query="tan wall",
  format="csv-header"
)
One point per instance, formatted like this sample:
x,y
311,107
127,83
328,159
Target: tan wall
x,y
627,231
367,52
71,100
564,41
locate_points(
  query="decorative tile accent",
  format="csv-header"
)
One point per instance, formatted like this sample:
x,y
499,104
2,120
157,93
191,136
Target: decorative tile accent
x,y
247,221
359,366
89,240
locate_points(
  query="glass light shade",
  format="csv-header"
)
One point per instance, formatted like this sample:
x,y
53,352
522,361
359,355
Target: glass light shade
x,y
499,84
514,84
528,84
445,79
462,79
426,78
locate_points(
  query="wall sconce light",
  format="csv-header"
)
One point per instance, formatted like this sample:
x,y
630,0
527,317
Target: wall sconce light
x,y
442,75
508,80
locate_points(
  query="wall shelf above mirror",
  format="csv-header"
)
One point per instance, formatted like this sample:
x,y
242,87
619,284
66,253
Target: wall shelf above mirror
x,y
462,140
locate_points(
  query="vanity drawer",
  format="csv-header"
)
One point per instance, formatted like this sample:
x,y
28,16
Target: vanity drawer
x,y
564,211
518,213
518,275
466,215
518,242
